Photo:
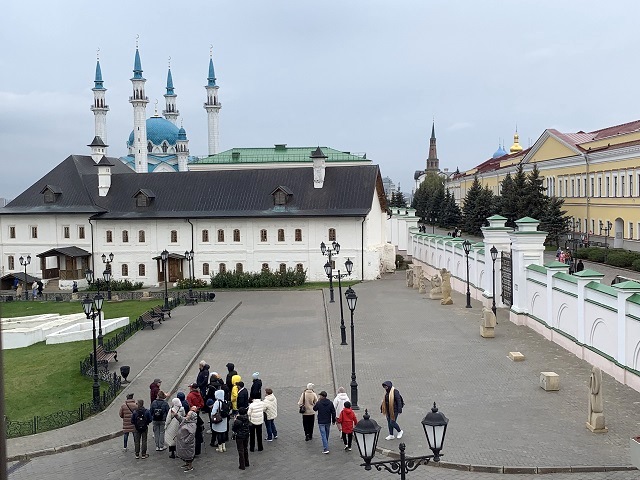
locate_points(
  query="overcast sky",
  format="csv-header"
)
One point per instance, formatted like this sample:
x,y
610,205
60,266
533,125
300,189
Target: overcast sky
x,y
360,76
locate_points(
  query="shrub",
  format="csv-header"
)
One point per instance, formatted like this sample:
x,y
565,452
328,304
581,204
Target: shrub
x,y
584,252
596,255
116,285
620,258
196,283
263,279
636,265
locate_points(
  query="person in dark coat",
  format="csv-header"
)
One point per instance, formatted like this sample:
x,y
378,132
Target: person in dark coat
x,y
326,416
580,266
183,400
159,409
243,396
240,428
256,386
154,388
215,383
199,435
232,371
140,432
391,407
203,378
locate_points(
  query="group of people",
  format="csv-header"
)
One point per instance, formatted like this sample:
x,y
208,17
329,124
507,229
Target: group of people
x,y
36,288
564,256
212,404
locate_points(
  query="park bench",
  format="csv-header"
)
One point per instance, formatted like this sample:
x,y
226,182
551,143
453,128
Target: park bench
x,y
103,356
190,300
160,312
148,319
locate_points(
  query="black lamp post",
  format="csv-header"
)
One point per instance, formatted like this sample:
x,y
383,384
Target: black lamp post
x,y
494,257
467,249
352,299
24,262
329,252
165,256
367,432
90,279
92,309
433,221
189,256
606,229
328,270
107,261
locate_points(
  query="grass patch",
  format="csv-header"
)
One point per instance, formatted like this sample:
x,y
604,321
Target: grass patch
x,y
52,372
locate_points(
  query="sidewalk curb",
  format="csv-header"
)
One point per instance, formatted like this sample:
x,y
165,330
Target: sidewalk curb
x,y
109,436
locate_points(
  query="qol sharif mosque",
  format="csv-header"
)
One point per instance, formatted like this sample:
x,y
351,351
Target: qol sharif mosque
x,y
156,144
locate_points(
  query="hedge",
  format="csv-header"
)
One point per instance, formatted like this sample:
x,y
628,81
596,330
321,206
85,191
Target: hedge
x,y
116,285
265,278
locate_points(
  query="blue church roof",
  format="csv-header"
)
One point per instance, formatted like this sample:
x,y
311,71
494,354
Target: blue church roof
x,y
212,76
169,83
158,130
137,66
98,80
501,152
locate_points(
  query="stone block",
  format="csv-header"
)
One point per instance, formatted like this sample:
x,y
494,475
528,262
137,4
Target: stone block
x,y
550,381
516,356
446,301
489,332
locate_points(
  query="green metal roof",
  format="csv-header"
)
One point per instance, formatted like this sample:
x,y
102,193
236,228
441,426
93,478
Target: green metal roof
x,y
537,268
280,154
566,277
606,289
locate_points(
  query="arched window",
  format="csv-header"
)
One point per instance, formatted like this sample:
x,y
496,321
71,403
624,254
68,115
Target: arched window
x,y
263,235
299,268
283,268
142,270
141,236
332,234
239,268
236,235
222,268
298,234
205,269
174,236
149,147
125,270
109,236
281,235
205,236
164,147
125,236
221,235
265,267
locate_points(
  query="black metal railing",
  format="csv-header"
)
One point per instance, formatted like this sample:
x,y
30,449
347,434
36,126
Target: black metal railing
x,y
202,295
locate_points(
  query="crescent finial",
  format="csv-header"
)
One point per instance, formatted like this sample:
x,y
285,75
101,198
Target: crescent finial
x,y
137,38
210,51
98,54
169,62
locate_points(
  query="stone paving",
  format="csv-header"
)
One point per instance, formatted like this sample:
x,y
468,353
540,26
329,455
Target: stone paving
x,y
498,413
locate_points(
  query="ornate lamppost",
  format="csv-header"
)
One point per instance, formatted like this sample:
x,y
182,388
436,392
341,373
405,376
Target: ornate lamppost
x,y
352,299
165,257
494,257
107,272
606,229
467,249
90,279
329,271
329,252
92,309
367,432
189,256
24,262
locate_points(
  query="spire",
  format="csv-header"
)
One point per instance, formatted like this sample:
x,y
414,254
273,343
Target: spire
x,y
137,65
516,147
212,76
170,82
433,164
212,106
433,130
100,107
98,81
170,112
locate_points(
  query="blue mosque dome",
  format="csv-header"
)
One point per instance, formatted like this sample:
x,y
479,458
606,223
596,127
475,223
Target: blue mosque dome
x,y
182,134
159,130
500,152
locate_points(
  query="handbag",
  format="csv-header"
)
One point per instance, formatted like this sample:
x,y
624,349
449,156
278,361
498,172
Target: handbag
x,y
217,418
304,398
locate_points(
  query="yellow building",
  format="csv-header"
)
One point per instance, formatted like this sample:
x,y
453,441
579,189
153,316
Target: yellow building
x,y
596,173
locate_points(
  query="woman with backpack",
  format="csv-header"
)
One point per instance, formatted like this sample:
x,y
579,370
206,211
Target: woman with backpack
x,y
172,424
220,411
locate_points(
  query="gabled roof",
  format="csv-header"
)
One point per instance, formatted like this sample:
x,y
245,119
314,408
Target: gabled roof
x,y
286,190
54,189
146,192
104,162
66,251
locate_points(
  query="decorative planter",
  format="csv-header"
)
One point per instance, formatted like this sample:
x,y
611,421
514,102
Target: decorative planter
x,y
634,451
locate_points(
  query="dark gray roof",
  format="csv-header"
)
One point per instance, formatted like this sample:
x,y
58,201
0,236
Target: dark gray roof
x,y
104,162
347,191
54,188
20,276
67,251
286,190
97,142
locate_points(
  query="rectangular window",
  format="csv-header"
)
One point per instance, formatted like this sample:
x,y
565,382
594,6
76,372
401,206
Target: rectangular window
x,y
607,190
236,235
283,268
109,236
205,269
142,270
593,226
265,267
239,268
65,232
631,185
141,236
263,235
615,186
599,186
125,270
592,186
573,188
220,235
81,232
12,232
622,192
631,230
34,232
578,182
281,235
11,261
222,268
125,236
205,236
332,234
174,236
299,268
298,234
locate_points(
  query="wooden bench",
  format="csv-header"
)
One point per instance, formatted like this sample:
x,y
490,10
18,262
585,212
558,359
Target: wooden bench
x,y
104,357
160,312
190,300
148,319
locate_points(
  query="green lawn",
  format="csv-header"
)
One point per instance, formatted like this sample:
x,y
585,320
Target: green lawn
x,y
52,372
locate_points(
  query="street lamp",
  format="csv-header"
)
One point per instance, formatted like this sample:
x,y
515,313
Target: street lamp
x,y
24,262
165,256
467,248
432,221
328,270
329,252
367,432
92,309
107,261
352,299
90,279
189,256
494,257
606,229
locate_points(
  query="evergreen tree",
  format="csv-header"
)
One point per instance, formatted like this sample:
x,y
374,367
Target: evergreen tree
x,y
535,200
400,200
554,220
508,201
520,189
423,196
435,206
450,215
470,206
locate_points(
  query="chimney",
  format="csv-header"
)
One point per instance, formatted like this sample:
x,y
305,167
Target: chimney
x,y
98,149
319,164
104,176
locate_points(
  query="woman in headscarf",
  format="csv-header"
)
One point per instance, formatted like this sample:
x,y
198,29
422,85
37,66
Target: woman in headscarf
x,y
171,426
186,438
220,430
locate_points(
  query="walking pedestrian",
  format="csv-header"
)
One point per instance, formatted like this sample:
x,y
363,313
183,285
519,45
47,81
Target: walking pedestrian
x,y
339,401
40,287
232,372
140,419
34,290
234,393
308,400
241,430
271,410
347,420
326,416
580,266
186,439
159,411
203,378
126,410
154,388
242,397
391,407
256,418
194,399
256,386
172,424
220,430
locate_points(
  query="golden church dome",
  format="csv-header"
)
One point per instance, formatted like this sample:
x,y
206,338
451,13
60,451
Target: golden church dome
x,y
516,147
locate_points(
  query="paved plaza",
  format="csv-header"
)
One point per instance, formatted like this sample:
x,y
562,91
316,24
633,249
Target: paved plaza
x,y
498,415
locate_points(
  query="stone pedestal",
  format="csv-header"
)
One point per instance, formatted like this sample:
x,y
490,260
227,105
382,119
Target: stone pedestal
x,y
446,301
417,273
550,381
422,285
409,277
516,356
595,420
488,325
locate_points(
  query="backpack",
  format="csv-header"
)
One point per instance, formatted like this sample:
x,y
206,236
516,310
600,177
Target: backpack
x,y
141,420
225,408
158,414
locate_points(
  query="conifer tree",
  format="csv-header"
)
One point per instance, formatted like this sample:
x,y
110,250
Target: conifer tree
x,y
400,200
535,200
554,220
470,206
392,202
